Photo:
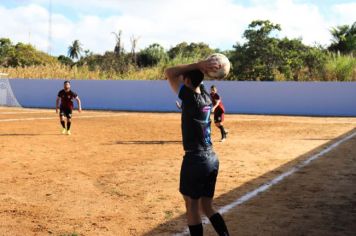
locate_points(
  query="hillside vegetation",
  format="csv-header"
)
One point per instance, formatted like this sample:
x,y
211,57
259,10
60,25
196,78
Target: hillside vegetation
x,y
263,57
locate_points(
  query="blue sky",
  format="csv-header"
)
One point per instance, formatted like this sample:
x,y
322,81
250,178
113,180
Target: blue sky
x,y
168,22
65,9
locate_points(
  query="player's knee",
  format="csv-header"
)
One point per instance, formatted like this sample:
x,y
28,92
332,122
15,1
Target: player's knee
x,y
217,124
191,205
207,210
207,207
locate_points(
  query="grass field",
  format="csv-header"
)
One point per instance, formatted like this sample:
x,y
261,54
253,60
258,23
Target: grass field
x,y
118,174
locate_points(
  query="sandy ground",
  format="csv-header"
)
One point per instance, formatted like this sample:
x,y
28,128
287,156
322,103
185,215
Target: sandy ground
x,y
117,174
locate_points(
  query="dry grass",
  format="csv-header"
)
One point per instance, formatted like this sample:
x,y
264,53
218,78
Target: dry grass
x,y
57,71
337,68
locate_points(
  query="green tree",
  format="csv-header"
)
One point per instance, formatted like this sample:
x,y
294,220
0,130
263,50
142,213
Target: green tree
x,y
110,62
152,55
75,50
65,60
190,50
22,55
264,57
259,57
344,39
7,51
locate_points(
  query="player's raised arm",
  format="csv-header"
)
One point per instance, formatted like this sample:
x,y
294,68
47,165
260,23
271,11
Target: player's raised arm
x,y
174,74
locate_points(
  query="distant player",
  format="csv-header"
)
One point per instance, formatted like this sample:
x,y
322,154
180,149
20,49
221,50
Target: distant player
x,y
200,164
65,97
219,111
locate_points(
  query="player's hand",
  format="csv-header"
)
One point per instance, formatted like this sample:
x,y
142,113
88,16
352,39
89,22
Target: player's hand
x,y
179,106
213,109
211,64
79,110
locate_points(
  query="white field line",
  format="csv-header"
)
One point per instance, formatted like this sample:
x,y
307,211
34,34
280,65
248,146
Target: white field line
x,y
56,117
300,121
240,120
24,112
276,180
333,120
44,112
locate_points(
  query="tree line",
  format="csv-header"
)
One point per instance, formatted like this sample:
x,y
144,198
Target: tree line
x,y
262,57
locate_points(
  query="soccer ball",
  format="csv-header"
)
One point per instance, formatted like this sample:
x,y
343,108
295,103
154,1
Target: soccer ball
x,y
224,66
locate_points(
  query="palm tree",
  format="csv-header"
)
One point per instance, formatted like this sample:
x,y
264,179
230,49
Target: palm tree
x,y
343,38
75,50
339,38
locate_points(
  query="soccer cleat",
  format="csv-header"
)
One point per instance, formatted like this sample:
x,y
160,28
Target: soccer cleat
x,y
63,130
68,132
223,140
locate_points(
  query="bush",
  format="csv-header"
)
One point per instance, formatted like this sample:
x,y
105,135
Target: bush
x,y
340,68
22,55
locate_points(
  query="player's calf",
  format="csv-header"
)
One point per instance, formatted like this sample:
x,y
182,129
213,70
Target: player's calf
x,y
222,130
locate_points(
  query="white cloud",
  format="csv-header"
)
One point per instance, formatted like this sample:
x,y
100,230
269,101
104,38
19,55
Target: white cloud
x,y
344,13
218,23
297,20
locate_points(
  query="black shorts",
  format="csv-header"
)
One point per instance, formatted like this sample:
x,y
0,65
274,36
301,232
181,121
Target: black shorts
x,y
218,116
198,174
67,112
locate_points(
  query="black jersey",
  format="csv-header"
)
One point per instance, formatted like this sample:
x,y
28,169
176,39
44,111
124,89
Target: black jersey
x,y
196,109
66,98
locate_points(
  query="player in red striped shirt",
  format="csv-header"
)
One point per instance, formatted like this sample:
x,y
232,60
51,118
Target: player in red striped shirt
x,y
219,111
65,97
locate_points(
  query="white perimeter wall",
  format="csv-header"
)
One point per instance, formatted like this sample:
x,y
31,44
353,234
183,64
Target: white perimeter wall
x,y
286,98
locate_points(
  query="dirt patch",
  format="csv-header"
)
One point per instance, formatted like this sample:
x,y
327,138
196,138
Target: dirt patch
x,y
118,175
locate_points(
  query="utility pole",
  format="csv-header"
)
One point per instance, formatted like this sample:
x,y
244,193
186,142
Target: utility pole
x,y
49,50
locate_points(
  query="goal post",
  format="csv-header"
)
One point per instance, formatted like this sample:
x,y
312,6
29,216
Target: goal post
x,y
7,97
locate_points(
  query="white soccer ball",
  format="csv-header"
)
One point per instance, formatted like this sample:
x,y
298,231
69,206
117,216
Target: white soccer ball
x,y
224,66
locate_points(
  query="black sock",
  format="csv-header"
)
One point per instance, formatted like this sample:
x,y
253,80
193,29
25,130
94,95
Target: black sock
x,y
222,130
196,230
68,125
219,224
63,124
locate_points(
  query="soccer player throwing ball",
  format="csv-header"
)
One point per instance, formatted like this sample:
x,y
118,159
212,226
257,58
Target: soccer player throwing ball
x,y
65,96
200,164
219,111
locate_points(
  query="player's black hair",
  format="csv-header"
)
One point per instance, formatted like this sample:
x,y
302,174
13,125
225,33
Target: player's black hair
x,y
196,76
213,87
67,81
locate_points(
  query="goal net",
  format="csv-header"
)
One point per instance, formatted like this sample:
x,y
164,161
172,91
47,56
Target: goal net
x,y
7,97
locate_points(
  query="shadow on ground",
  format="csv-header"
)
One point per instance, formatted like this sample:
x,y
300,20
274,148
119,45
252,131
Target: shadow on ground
x,y
278,213
149,142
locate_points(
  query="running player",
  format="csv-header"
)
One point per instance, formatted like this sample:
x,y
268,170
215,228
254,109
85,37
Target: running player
x,y
219,111
65,96
200,164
